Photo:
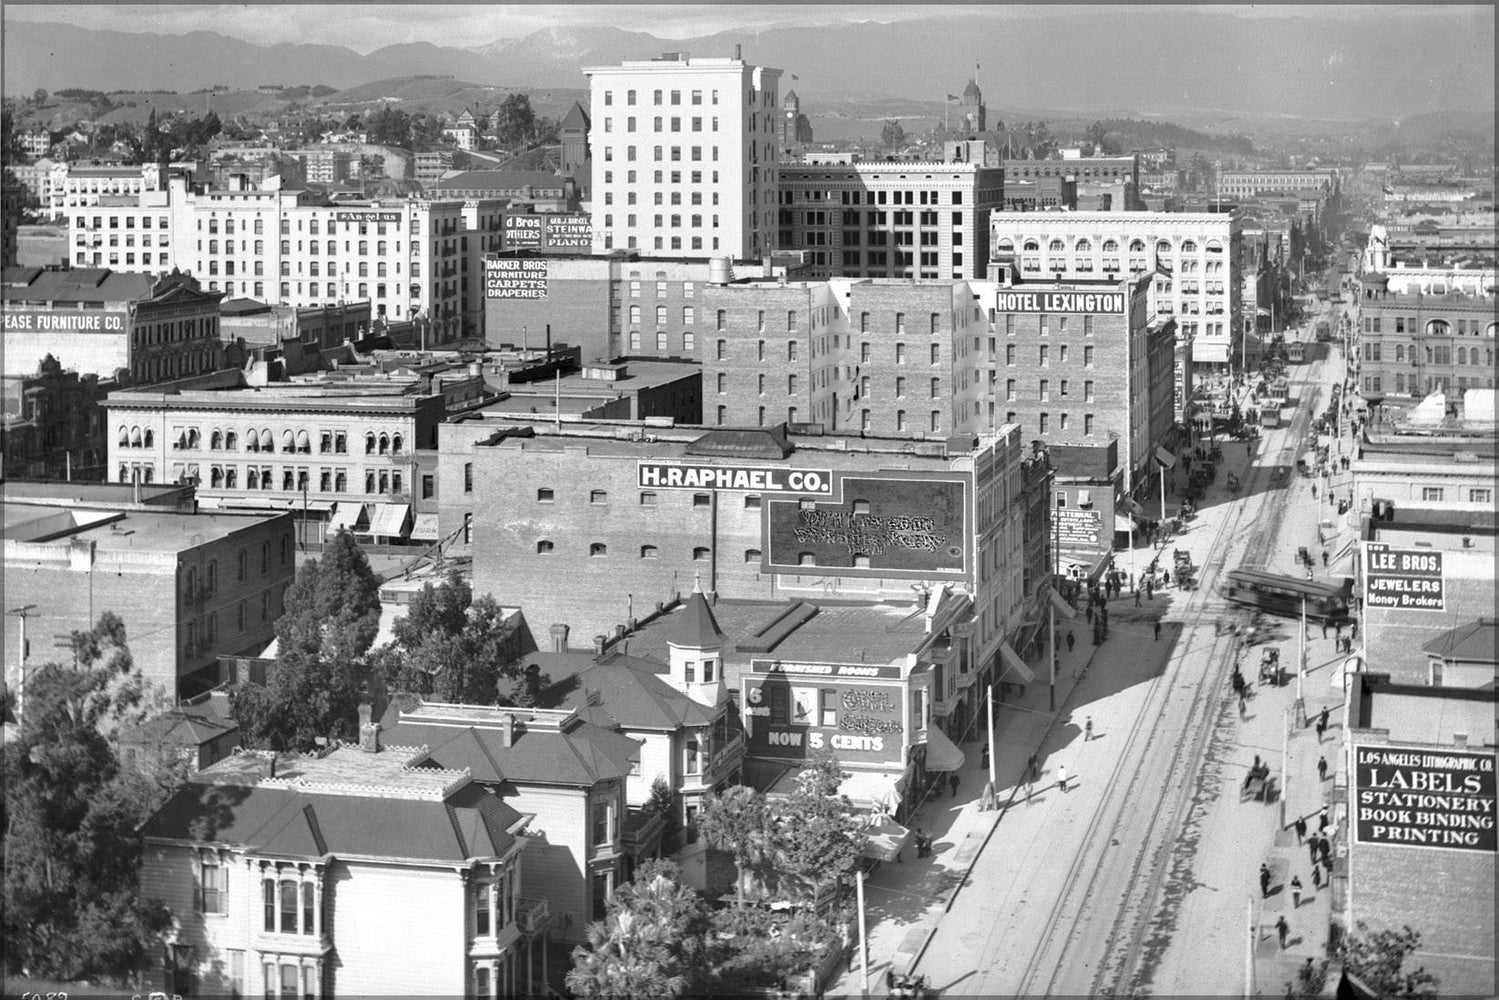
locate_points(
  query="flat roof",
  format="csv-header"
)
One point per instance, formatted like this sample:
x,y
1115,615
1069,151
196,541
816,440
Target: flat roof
x,y
124,530
22,491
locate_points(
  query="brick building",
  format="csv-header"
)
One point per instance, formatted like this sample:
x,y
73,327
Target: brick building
x,y
53,426
188,586
136,327
280,872
901,219
1412,344
684,156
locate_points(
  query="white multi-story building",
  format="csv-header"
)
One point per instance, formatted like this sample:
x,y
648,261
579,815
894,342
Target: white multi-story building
x,y
1242,183
684,156
74,186
409,258
1198,254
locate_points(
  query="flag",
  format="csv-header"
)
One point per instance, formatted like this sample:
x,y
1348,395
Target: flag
x,y
953,97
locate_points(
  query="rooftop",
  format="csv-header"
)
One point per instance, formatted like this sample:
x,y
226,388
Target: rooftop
x,y
1473,642
144,530
500,180
623,691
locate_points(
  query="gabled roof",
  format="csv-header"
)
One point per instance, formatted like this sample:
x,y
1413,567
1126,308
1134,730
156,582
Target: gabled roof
x,y
695,627
576,117
1473,642
627,692
749,442
580,754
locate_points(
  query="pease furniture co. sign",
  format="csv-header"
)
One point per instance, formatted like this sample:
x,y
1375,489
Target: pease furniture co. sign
x,y
1422,797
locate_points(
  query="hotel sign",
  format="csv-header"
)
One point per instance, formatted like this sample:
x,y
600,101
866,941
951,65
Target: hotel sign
x,y
1408,579
1059,302
376,217
1424,798
748,479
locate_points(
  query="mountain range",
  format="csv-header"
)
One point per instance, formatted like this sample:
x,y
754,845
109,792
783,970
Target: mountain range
x,y
1148,61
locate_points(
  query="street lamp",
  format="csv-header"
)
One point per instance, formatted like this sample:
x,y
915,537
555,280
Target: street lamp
x,y
22,613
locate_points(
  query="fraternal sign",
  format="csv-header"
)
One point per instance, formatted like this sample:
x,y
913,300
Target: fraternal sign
x,y
1410,579
749,479
1420,797
1059,302
1079,527
512,278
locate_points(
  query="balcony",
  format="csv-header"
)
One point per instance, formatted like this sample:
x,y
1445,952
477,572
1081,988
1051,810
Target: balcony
x,y
531,915
726,757
642,832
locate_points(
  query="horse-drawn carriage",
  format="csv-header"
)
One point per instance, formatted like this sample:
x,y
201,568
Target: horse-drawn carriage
x,y
1271,670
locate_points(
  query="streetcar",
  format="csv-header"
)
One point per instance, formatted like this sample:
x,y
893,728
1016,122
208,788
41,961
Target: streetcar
x,y
1283,595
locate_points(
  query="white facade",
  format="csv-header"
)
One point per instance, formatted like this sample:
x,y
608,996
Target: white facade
x,y
1236,183
74,186
408,258
1198,251
684,156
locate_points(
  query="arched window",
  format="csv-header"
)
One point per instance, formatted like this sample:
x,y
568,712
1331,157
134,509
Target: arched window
x,y
1032,245
1056,246
1399,352
1214,246
1190,246
1006,245
288,442
598,549
648,552
395,444
1163,247
231,478
215,440
384,443
304,443
1438,328
148,438
1110,246
1083,246
193,438
543,547
124,436
135,437
369,443
266,444
1136,246
1462,355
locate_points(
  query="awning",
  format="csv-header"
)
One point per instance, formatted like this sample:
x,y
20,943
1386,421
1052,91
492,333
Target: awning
x,y
346,514
870,789
942,754
388,520
1014,664
883,841
1063,608
425,528
1165,458
314,506
1122,523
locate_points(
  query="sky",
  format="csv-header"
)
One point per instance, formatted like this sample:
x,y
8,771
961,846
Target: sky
x,y
366,27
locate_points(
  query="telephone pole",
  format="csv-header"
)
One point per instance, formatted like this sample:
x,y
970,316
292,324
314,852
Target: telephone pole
x,y
23,614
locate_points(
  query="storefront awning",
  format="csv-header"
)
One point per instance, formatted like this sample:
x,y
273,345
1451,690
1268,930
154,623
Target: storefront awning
x,y
389,520
1165,458
942,754
884,841
313,506
873,790
424,529
1122,523
346,514
1064,609
1014,664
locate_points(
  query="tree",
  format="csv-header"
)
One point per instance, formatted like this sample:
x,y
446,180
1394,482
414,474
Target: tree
x,y
388,127
651,942
1378,959
892,136
514,121
663,802
817,841
738,822
332,616
39,98
453,648
71,891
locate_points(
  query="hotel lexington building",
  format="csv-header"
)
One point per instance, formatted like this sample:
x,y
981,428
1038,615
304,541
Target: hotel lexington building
x,y
97,321
1197,254
896,220
684,156
409,258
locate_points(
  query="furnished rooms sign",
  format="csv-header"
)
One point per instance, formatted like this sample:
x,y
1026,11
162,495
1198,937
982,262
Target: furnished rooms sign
x,y
512,278
1424,798
1410,579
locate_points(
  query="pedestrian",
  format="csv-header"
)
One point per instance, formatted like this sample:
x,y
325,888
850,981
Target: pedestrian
x,y
1090,611
1321,724
1032,768
1300,828
1322,819
1317,878
953,781
1282,928
1243,705
1062,778
1295,892
1071,640
1165,578
1137,598
1157,628
1264,881
1325,845
1338,627
1314,491
1324,558
984,756
1149,590
1324,628
1352,632
1088,729
1321,768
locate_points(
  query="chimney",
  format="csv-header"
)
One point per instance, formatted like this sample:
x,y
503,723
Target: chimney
x,y
507,734
559,638
369,732
738,52
599,641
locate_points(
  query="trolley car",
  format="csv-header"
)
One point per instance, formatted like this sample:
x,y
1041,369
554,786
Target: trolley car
x,y
1284,595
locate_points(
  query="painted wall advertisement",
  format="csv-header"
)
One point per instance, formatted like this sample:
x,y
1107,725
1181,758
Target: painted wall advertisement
x,y
749,479
385,218
1421,797
90,340
884,525
512,278
551,231
792,710
522,231
1409,579
1079,529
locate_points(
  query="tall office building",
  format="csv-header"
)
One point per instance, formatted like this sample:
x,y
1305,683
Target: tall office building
x,y
684,156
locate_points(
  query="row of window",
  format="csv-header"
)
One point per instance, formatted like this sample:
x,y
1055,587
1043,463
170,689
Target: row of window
x,y
1436,354
660,177
262,441
1432,383
663,124
1434,328
695,97
1084,245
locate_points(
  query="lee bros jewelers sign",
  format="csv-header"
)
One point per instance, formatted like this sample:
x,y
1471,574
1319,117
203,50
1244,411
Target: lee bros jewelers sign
x,y
1423,797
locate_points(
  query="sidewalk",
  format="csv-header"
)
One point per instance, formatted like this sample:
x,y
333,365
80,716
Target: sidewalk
x,y
904,902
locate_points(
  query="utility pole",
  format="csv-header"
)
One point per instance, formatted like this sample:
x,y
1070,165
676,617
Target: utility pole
x,y
863,941
1051,605
993,756
23,614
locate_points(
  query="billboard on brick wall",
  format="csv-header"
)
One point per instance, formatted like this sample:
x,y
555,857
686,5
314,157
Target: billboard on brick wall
x,y
567,232
746,478
522,231
1421,797
792,710
1410,579
876,524
88,340
515,278
1079,529
1009,301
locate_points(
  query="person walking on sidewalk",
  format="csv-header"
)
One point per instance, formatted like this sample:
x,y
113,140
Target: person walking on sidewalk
x,y
1062,778
1311,845
1324,628
1032,769
1322,822
953,781
1295,892
1157,630
1264,881
1321,724
1283,929
1088,729
1071,640
1300,829
1321,768
1137,598
1317,878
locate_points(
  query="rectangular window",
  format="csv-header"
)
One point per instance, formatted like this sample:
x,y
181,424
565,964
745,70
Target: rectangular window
x,y
214,883
1432,493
